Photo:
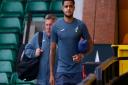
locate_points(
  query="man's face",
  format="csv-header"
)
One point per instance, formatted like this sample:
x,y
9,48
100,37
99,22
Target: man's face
x,y
48,25
68,8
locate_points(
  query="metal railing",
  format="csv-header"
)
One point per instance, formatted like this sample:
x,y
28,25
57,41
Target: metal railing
x,y
107,71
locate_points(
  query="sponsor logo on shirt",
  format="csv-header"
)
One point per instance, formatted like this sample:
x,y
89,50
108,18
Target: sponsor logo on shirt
x,y
62,30
43,40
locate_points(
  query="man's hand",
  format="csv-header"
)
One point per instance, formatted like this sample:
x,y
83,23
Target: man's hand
x,y
52,80
78,57
38,52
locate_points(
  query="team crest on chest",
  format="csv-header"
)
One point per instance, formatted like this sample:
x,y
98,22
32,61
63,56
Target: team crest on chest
x,y
76,29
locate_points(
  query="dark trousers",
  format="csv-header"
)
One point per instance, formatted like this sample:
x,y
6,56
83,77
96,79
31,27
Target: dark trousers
x,y
68,78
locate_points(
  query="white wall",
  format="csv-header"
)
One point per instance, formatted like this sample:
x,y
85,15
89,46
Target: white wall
x,y
78,13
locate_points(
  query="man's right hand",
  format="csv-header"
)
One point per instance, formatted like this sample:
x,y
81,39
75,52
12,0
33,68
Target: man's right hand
x,y
78,57
38,52
52,80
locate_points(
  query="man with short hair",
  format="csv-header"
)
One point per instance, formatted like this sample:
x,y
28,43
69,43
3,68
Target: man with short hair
x,y
32,50
66,34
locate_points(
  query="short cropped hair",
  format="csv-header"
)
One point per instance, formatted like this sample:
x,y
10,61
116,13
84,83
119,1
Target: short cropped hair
x,y
50,16
68,0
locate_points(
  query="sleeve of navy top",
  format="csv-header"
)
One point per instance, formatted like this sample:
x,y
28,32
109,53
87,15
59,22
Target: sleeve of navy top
x,y
54,37
31,47
85,33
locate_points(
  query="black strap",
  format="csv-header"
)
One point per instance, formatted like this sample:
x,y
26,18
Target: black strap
x,y
28,27
40,38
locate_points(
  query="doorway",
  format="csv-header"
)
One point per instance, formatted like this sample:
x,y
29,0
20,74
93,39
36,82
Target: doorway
x,y
123,20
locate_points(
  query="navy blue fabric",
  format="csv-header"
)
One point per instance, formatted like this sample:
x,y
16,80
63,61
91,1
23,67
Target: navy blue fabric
x,y
68,78
105,51
67,36
43,76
